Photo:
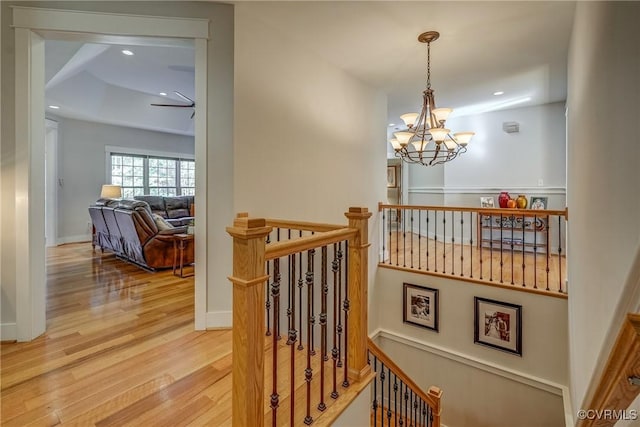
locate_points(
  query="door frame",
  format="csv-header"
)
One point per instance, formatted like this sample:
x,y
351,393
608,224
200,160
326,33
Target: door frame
x,y
32,25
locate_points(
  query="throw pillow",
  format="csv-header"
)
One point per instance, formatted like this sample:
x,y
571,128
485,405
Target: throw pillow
x,y
161,223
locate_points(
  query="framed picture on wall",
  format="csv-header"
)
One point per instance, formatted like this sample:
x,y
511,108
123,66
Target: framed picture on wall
x,y
487,202
498,325
392,176
538,203
420,306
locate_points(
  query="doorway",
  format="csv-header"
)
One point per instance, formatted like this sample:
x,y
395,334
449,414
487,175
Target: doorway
x,y
31,27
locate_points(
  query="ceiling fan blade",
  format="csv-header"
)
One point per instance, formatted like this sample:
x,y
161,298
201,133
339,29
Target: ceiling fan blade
x,y
184,97
172,105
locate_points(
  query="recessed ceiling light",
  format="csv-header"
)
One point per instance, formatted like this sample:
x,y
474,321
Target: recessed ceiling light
x,y
54,107
391,124
127,52
498,93
163,93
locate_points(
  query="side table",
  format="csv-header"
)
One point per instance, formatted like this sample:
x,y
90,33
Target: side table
x,y
180,242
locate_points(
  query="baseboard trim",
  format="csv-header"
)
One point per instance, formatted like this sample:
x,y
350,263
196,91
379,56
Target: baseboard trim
x,y
219,319
8,332
530,380
74,239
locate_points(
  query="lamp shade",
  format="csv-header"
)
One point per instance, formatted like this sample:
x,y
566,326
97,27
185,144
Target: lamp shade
x,y
111,192
463,138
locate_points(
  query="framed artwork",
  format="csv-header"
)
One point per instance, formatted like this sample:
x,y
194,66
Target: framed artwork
x,y
420,306
487,202
538,203
392,172
498,325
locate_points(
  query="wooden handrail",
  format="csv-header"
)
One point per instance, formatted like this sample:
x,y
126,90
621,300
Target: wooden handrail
x,y
302,225
614,391
288,247
432,399
483,211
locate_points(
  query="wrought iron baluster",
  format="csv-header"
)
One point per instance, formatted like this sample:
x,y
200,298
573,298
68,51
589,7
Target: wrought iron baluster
x,y
384,236
267,302
311,292
345,307
395,398
559,252
535,252
300,288
293,336
480,225
512,224
435,240
308,372
427,240
411,232
340,327
453,242
389,398
383,377
404,238
547,224
334,350
291,300
275,293
375,392
501,248
461,244
323,325
523,249
419,239
444,242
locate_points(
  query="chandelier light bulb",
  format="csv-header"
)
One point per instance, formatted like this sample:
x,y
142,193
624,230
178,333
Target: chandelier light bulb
x,y
463,138
439,134
409,119
403,137
441,114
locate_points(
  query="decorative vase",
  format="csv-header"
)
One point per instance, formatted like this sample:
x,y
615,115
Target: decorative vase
x,y
511,204
522,201
503,198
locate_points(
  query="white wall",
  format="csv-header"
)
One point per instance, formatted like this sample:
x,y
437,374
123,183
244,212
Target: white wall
x,y
603,158
310,141
219,161
82,164
497,161
449,358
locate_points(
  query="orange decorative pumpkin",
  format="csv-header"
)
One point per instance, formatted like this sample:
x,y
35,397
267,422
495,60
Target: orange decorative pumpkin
x,y
511,204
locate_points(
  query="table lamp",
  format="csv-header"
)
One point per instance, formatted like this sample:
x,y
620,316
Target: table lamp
x,y
111,191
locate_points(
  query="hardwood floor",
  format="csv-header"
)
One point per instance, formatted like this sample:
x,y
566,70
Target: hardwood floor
x,y
508,268
120,349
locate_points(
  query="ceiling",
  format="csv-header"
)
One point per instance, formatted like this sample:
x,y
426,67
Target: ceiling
x,y
519,48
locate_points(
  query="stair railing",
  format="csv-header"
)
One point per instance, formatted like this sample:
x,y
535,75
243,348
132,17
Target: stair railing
x,y
522,249
319,272
396,399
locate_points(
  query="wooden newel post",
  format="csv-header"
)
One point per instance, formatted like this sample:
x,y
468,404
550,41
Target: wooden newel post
x,y
248,319
358,327
436,393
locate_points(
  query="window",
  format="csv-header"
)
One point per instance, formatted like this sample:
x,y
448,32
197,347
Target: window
x,y
140,174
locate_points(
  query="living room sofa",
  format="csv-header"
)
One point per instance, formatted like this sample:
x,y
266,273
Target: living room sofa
x,y
128,229
176,210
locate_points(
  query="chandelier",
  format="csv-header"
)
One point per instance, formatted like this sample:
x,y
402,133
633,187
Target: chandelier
x,y
426,140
